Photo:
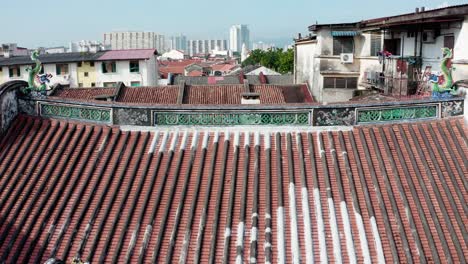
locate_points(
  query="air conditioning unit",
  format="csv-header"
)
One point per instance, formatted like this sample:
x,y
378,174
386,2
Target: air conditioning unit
x,y
346,57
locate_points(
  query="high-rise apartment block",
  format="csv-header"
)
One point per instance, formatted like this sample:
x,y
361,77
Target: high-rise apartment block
x,y
179,42
239,34
135,40
206,46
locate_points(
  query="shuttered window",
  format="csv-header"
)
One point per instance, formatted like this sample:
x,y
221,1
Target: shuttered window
x,y
14,72
340,82
376,43
343,45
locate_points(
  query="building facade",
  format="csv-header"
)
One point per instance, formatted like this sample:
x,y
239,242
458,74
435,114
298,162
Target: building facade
x,y
206,46
392,54
131,67
135,40
238,35
179,42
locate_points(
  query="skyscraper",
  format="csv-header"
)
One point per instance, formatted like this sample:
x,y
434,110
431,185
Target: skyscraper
x,y
135,40
239,34
179,42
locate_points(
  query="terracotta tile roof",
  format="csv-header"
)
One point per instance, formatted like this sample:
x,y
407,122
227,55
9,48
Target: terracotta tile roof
x,y
224,94
155,95
133,54
275,94
84,93
195,73
211,94
392,193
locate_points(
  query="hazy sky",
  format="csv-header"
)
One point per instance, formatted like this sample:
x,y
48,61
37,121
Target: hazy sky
x,y
57,22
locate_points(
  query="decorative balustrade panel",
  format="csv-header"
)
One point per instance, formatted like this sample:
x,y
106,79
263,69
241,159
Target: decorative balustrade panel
x,y
93,114
397,113
230,119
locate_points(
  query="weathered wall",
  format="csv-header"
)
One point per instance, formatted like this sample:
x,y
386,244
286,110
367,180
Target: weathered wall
x,y
8,109
9,103
305,65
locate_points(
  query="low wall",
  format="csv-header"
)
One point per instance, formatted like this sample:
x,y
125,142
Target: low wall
x,y
347,114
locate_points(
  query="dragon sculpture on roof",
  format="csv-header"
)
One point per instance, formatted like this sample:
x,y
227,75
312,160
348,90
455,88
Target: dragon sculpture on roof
x,y
443,85
33,72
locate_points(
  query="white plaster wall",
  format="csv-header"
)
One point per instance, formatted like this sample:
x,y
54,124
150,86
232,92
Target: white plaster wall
x,y
306,66
48,68
461,42
147,75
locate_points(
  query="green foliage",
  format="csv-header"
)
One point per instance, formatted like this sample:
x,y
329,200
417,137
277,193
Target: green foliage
x,y
275,59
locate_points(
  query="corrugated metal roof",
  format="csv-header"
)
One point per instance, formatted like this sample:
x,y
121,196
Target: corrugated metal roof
x,y
345,33
52,58
134,54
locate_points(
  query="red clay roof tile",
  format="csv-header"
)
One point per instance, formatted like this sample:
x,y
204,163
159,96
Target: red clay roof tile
x,y
390,193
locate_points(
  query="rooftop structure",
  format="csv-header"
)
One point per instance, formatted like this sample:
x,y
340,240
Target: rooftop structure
x,y
102,175
397,55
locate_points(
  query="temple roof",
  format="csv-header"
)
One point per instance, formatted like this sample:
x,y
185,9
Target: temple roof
x,y
381,193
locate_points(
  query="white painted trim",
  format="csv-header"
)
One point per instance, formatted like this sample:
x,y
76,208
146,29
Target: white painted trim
x,y
378,243
296,255
153,143
236,138
216,137
348,234
307,227
362,238
257,138
320,227
246,139
174,141
267,140
280,236
206,136
164,142
183,144
194,140
334,231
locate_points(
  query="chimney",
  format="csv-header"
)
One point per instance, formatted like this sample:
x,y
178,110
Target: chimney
x,y
423,9
417,10
250,98
299,36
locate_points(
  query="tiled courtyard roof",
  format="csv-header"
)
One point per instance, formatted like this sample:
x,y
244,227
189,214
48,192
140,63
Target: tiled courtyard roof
x,y
388,193
155,95
84,93
221,94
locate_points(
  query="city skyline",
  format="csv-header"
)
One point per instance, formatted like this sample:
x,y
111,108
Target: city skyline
x,y
273,22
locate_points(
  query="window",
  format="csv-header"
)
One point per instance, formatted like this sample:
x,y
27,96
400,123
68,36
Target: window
x,y
62,69
80,85
340,82
376,43
79,64
1,69
393,46
109,66
134,66
110,84
411,34
343,45
86,74
91,64
42,70
14,71
93,84
449,42
135,84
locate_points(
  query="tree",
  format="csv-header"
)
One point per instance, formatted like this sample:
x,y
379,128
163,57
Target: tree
x,y
276,59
